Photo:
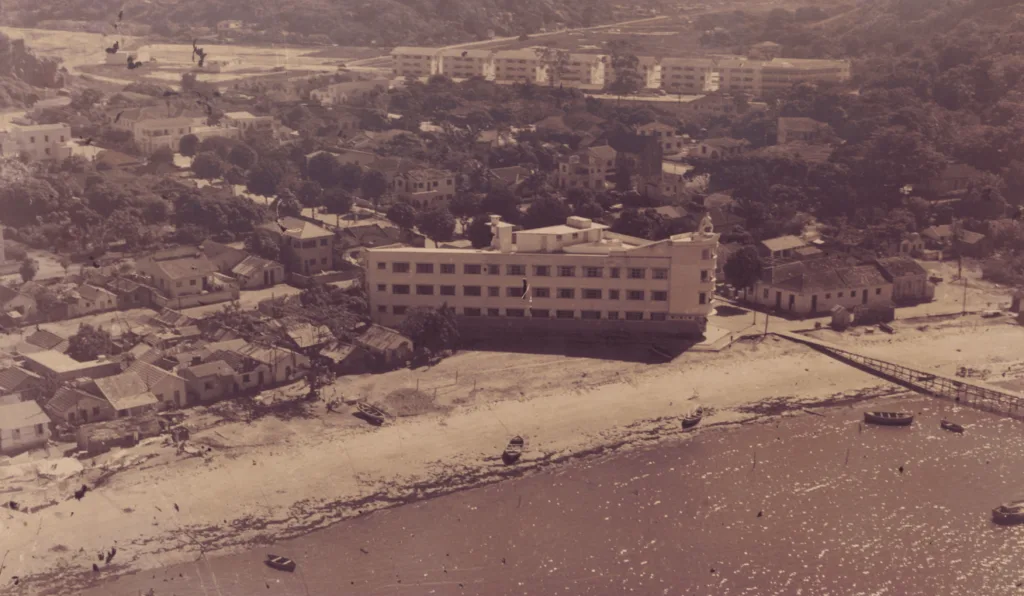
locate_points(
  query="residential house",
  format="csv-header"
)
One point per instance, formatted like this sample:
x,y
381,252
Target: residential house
x,y
90,299
951,240
255,273
186,277
349,124
59,367
208,381
720,148
71,405
909,280
37,141
284,365
346,359
47,340
353,156
305,337
780,248
494,139
127,393
807,130
244,123
815,286
593,168
671,140
313,246
204,131
415,62
168,387
223,256
459,63
17,305
355,239
428,187
130,293
510,177
151,134
15,379
349,91
387,347
23,426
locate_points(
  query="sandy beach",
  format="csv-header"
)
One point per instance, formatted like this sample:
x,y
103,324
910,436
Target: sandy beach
x,y
276,478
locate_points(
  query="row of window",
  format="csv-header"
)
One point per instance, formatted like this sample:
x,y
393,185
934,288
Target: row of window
x,y
543,313
16,433
308,243
517,292
828,296
538,270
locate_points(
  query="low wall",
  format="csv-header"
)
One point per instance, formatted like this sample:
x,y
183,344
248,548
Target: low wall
x,y
490,327
195,299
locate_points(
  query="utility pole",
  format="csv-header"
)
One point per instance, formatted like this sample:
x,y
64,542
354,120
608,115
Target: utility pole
x,y
963,312
766,317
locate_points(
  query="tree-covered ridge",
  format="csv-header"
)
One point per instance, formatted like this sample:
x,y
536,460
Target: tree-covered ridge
x,y
22,73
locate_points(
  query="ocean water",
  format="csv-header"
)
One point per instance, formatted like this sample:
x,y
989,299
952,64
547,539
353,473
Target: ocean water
x,y
801,505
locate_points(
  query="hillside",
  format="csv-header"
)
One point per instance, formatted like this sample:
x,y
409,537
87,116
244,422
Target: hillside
x,y
342,22
22,73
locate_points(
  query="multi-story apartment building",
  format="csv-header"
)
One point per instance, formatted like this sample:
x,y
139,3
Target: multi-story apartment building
x,y
415,62
520,66
153,133
688,76
739,75
584,69
576,277
38,141
593,167
313,245
782,73
670,139
651,69
427,187
735,74
465,64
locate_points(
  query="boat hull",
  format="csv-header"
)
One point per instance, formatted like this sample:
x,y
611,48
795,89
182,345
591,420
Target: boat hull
x,y
691,422
1005,518
952,427
280,563
874,418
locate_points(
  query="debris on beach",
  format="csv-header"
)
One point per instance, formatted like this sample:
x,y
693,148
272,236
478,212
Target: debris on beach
x,y
81,492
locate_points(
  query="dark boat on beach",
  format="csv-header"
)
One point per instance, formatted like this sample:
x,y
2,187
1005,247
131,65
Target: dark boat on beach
x,y
280,563
693,419
889,418
1009,513
951,426
514,450
371,414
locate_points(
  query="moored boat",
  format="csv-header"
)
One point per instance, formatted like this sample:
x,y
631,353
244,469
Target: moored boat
x,y
280,563
951,426
373,414
889,418
693,419
514,450
1009,513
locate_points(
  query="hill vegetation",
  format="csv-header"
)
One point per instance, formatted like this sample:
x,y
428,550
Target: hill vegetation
x,y
22,73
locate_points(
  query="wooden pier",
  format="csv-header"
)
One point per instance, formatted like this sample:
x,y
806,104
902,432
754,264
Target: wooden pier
x,y
971,393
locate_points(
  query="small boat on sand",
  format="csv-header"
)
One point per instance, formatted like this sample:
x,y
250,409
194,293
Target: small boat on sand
x,y
693,419
514,450
889,418
951,426
372,414
1009,513
280,563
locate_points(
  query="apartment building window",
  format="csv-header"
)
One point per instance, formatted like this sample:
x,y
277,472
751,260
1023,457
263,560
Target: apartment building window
x,y
382,287
400,267
567,293
592,294
593,272
565,314
494,291
613,273
424,267
323,242
382,266
323,261
637,273
541,270
634,316
542,292
540,313
659,273
191,282
400,310
382,308
424,290
447,290
32,140
766,294
493,312
878,291
471,269
703,298
470,290
399,289
493,270
471,312
840,295
513,291
567,271
515,269
705,275
613,316
590,315
657,316
659,296
515,312
613,294
705,254
634,295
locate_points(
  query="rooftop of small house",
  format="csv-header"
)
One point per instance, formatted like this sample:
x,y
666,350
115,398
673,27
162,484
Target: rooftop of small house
x,y
21,415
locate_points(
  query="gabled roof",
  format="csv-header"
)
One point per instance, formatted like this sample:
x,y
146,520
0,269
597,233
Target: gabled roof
x,y
172,318
15,378
306,335
603,152
901,266
122,390
21,415
382,339
218,368
236,361
294,227
67,398
510,174
725,142
783,243
186,267
7,294
268,356
46,340
92,293
149,373
370,236
799,123
223,253
427,174
253,264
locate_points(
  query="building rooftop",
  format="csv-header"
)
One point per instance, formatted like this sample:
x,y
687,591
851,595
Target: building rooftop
x,y
427,174
414,50
217,368
783,243
725,142
67,398
522,54
242,116
149,373
22,414
15,378
44,339
253,264
562,229
466,53
299,228
58,362
382,339
901,266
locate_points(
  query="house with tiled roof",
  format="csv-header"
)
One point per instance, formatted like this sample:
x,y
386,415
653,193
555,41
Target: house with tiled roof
x,y
47,340
208,381
385,346
313,245
284,364
807,130
179,272
127,393
168,387
909,279
23,426
223,256
15,379
130,293
815,286
89,299
253,273
71,405
15,306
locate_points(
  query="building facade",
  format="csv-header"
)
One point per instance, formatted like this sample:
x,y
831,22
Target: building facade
x,y
415,62
520,66
313,245
577,277
154,133
585,69
465,64
244,122
688,76
593,167
427,187
38,141
23,426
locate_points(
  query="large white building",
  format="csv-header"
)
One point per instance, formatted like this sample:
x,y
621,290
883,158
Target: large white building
x,y
584,69
38,141
415,62
580,278
520,66
457,63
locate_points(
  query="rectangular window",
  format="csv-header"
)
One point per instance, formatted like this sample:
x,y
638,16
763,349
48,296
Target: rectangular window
x,y
515,270
702,299
471,269
593,272
448,268
541,292
493,312
245,378
424,290
659,296
878,291
447,290
400,310
706,254
515,312
513,291
400,267
493,270
191,282
566,271
766,293
471,312
382,287
323,242
659,273
470,290
541,270
827,296
567,293
634,294
565,314
399,289
592,294
494,291
704,275
424,267
381,308
657,316
637,273
613,316
590,315
613,273
613,294
840,294
39,429
634,316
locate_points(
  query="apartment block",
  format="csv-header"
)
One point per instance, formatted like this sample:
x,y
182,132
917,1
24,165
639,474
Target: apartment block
x,y
520,66
651,69
313,245
38,141
415,62
593,167
153,133
465,64
584,69
427,187
577,277
245,122
782,73
689,76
